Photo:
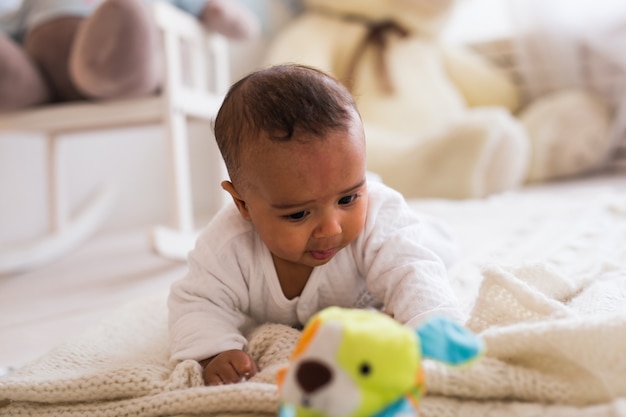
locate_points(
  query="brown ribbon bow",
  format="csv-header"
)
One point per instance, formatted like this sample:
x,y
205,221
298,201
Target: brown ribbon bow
x,y
378,35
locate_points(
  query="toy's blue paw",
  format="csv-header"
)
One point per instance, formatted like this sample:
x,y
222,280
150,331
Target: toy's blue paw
x,y
444,340
401,408
286,410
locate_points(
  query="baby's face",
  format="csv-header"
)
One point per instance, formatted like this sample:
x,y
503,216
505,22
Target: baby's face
x,y
308,201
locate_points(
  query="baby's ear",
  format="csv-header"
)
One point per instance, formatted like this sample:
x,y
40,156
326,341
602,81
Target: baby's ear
x,y
445,340
239,202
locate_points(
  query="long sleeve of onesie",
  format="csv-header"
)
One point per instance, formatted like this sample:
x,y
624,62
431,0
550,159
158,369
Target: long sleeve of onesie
x,y
207,306
404,259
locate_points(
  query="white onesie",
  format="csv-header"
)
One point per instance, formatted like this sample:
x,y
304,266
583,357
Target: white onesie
x,y
397,262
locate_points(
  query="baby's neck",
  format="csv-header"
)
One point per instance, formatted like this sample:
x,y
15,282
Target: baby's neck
x,y
292,277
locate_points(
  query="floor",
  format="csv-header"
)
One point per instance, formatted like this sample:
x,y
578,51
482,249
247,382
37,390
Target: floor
x,y
39,309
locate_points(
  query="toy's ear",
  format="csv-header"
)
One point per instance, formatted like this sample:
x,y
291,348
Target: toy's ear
x,y
281,374
309,332
445,340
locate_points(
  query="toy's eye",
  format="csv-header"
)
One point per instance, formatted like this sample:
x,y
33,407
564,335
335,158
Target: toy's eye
x,y
365,369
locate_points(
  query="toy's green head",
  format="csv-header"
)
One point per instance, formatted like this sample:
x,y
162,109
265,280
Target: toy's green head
x,y
352,363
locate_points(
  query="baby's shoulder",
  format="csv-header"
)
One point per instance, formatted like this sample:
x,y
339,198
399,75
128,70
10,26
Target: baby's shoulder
x,y
227,229
382,198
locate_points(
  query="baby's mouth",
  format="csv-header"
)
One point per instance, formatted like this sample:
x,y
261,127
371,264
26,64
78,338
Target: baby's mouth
x,y
321,255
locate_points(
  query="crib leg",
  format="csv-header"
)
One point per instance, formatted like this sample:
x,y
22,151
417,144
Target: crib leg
x,y
65,233
176,242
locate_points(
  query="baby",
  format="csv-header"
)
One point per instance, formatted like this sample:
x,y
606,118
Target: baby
x,y
307,229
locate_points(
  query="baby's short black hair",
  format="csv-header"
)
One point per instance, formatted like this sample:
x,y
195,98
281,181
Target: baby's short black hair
x,y
273,103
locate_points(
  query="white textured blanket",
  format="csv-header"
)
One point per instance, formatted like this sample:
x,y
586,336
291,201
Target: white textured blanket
x,y
543,280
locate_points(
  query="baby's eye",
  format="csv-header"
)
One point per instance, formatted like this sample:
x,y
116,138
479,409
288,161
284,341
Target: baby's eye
x,y
297,216
347,199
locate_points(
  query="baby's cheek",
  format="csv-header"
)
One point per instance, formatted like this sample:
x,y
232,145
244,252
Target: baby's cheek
x,y
290,241
357,220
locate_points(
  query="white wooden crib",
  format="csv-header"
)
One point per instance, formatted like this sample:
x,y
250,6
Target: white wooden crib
x,y
197,76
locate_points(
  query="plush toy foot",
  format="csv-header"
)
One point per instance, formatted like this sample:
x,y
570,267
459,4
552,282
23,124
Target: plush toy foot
x,y
50,46
230,19
483,154
570,134
21,84
117,51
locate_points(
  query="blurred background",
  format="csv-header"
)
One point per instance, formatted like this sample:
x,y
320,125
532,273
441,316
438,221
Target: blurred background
x,y
135,159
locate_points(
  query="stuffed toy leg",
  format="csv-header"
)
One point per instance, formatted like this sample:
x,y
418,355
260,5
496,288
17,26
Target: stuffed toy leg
x,y
117,51
484,152
21,83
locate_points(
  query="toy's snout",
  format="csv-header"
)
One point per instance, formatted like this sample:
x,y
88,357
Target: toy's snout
x,y
313,375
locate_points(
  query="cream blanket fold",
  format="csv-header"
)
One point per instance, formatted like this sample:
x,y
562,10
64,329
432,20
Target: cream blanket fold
x,y
554,323
121,367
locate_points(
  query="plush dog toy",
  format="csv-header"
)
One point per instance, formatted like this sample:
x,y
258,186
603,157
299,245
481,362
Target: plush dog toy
x,y
440,119
64,50
362,363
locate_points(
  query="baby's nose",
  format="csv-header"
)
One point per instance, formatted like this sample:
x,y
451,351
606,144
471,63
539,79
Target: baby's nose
x,y
329,226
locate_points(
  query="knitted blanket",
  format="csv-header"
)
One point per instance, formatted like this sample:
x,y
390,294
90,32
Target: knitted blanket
x,y
543,280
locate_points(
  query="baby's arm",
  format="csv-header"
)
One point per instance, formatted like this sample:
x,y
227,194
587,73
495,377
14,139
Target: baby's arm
x,y
206,317
228,367
405,258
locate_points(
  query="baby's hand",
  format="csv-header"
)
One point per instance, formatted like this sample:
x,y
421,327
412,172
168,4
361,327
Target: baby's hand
x,y
228,367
